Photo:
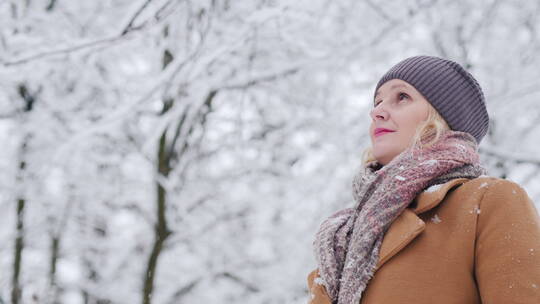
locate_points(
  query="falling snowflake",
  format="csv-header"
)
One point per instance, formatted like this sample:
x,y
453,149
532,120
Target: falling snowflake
x,y
483,185
476,210
436,219
430,162
461,147
433,188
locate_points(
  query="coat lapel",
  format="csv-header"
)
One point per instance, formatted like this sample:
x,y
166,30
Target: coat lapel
x,y
407,226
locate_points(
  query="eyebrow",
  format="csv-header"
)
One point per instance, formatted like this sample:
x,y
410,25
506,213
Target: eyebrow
x,y
393,87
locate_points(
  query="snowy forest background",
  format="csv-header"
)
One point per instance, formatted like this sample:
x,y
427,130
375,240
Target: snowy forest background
x,y
185,151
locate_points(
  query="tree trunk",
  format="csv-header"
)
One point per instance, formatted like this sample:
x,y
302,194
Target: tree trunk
x,y
16,290
161,230
55,248
19,246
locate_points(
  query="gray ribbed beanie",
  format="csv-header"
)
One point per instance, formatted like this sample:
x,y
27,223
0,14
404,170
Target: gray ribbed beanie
x,y
450,89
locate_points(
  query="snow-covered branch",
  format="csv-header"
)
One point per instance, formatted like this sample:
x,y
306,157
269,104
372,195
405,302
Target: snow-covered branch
x,y
74,47
509,156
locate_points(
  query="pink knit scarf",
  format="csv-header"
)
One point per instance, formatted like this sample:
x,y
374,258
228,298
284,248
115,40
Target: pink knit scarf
x,y
348,242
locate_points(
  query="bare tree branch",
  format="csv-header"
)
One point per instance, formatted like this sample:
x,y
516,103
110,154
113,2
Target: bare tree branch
x,y
51,5
129,26
239,280
184,290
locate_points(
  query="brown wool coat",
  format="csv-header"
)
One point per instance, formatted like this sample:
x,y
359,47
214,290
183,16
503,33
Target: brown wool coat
x,y
470,241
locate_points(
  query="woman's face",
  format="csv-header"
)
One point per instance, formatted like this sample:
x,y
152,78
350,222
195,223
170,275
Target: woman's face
x,y
398,109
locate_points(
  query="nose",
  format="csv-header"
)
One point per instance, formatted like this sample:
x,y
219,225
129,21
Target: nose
x,y
379,113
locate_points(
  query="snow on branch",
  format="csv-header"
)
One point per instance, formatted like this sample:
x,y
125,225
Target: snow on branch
x,y
261,78
63,50
160,13
78,46
510,156
8,115
129,26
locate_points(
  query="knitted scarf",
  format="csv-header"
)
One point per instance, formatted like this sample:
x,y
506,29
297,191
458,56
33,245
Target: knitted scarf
x,y
348,242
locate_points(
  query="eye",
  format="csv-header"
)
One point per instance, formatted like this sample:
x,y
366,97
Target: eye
x,y
402,96
376,103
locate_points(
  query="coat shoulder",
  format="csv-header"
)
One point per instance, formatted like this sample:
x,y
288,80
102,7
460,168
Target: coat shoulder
x,y
494,187
499,188
487,192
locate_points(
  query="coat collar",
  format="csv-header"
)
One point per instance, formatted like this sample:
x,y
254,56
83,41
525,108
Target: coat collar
x,y
408,225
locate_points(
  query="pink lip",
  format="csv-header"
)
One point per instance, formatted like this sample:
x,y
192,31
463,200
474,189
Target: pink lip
x,y
381,131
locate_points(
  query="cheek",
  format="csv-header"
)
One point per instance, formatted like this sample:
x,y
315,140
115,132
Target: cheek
x,y
408,129
411,121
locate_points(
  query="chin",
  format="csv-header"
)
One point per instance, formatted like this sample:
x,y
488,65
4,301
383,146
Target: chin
x,y
384,158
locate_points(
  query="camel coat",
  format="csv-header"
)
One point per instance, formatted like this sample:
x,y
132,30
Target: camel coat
x,y
469,241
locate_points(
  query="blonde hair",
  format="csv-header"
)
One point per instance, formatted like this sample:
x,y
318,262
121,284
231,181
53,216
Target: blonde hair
x,y
433,127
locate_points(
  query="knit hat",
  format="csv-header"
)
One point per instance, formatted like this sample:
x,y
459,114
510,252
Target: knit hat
x,y
450,89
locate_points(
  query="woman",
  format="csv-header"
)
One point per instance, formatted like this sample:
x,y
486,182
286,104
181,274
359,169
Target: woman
x,y
428,225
